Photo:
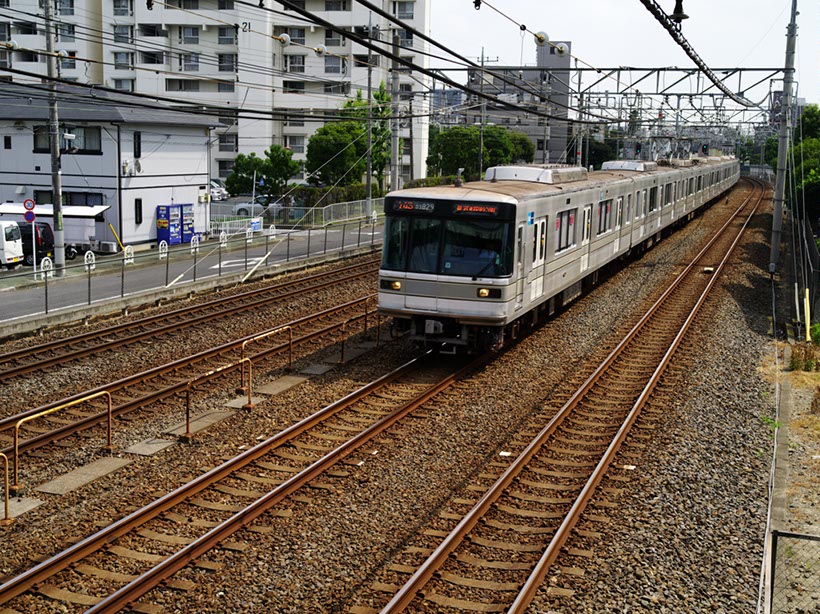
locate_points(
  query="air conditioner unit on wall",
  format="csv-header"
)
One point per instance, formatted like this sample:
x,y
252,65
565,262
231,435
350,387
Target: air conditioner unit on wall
x,y
108,247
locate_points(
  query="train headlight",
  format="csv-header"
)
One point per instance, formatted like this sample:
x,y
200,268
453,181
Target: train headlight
x,y
395,285
488,293
387,284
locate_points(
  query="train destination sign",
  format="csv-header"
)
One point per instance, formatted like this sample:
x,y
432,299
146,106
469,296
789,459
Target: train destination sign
x,y
406,206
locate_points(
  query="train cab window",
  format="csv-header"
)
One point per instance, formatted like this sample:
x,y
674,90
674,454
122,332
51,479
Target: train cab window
x,y
477,248
397,236
565,229
604,216
425,236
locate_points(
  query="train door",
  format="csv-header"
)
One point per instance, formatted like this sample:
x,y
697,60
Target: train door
x,y
619,216
539,256
522,274
586,229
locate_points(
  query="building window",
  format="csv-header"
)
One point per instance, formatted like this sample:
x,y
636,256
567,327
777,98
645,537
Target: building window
x,y
189,35
403,10
65,33
333,64
153,57
138,211
295,63
225,167
225,86
123,60
333,39
181,85
70,62
123,34
228,142
152,30
6,142
4,4
336,5
361,61
229,119
137,144
5,31
227,62
227,36
293,87
299,4
191,5
337,88
297,35
124,85
405,91
87,139
225,5
65,7
406,38
25,27
296,143
123,8
189,62
295,122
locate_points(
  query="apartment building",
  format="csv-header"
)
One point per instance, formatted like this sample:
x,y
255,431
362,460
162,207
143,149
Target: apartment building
x,y
232,57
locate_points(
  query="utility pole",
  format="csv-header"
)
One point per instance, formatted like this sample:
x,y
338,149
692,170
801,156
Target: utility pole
x,y
783,144
481,125
394,140
410,124
368,206
54,145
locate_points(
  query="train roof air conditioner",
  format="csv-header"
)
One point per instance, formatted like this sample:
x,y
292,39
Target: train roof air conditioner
x,y
536,173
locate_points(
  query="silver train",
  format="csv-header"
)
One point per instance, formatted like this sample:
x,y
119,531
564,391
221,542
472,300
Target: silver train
x,y
469,265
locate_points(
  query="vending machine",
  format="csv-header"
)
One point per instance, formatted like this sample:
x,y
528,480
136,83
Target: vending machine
x,y
175,223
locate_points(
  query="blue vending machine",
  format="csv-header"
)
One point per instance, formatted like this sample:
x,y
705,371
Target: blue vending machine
x,y
169,224
187,223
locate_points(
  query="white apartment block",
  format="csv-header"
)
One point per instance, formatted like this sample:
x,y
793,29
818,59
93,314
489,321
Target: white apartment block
x,y
222,54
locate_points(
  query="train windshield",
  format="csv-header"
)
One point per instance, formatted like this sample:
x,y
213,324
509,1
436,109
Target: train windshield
x,y
475,248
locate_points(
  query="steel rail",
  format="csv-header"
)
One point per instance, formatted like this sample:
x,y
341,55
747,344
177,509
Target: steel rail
x,y
425,572
226,307
153,577
167,391
48,568
528,591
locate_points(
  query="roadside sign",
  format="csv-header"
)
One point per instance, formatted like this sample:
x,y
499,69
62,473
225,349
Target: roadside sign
x,y
29,216
28,204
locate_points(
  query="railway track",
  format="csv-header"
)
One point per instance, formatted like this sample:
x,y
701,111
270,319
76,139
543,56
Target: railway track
x,y
46,355
496,554
121,563
209,368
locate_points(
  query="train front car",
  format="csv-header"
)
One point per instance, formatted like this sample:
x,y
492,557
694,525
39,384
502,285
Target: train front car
x,y
447,265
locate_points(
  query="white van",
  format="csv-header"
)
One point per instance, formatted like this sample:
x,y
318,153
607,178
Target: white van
x,y
11,245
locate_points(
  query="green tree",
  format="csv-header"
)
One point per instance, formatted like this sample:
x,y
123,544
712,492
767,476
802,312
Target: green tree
x,y
380,127
523,148
335,153
497,145
457,148
810,122
272,172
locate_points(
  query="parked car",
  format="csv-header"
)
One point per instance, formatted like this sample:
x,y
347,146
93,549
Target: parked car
x,y
11,245
218,190
43,239
258,206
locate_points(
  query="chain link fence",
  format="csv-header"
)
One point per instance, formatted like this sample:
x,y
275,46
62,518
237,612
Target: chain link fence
x,y
92,278
795,573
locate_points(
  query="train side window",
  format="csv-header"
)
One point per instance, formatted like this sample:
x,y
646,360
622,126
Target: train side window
x,y
604,216
653,198
565,229
535,243
628,216
543,242
619,211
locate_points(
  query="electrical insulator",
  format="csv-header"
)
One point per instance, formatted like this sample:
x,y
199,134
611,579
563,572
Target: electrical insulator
x,y
477,4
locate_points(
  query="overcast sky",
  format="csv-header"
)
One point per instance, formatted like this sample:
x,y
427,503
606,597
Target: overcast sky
x,y
609,33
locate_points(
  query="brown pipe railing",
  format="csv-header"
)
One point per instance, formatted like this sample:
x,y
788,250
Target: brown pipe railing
x,y
7,519
191,382
16,487
259,337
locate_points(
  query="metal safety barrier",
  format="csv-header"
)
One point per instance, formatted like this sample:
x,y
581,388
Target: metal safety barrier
x,y
17,487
